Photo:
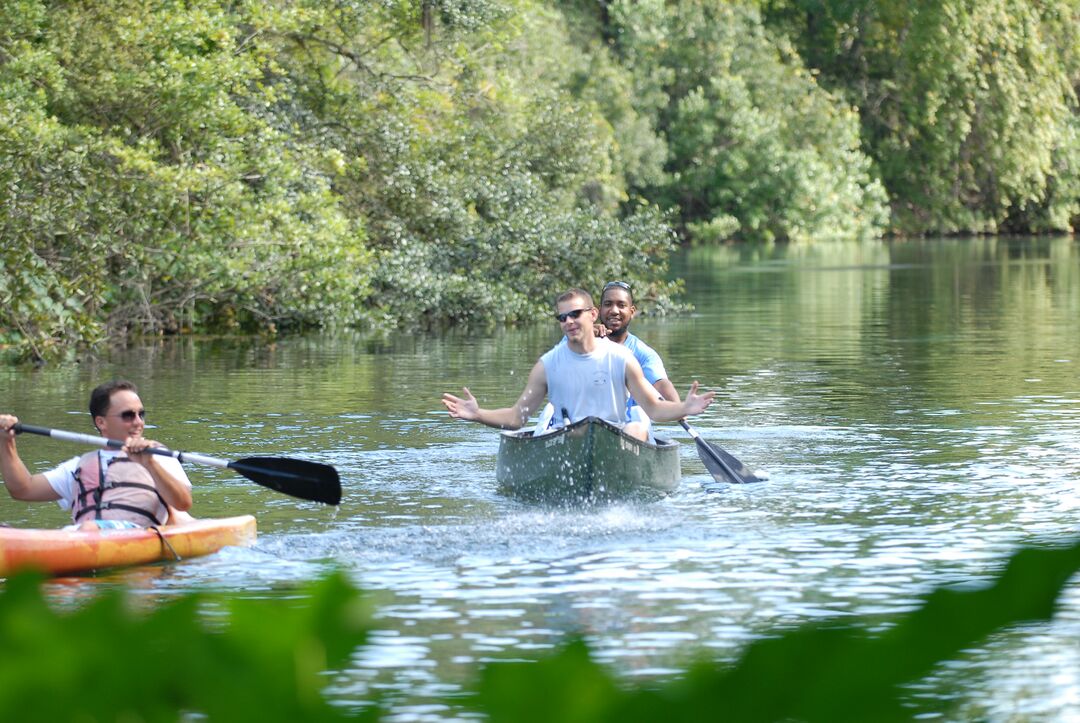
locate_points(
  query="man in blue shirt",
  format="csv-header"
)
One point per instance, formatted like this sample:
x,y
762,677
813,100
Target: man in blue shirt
x,y
617,310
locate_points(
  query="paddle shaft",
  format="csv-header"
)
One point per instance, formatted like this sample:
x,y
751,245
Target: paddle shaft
x,y
702,445
307,480
117,444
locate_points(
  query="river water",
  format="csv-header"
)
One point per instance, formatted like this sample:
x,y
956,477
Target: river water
x,y
916,405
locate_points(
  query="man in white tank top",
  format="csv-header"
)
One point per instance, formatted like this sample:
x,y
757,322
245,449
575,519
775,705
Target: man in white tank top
x,y
587,377
616,311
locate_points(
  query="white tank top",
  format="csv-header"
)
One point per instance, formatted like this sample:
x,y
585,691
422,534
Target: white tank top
x,y
588,385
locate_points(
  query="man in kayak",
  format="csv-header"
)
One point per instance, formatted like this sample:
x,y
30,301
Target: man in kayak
x,y
107,489
586,376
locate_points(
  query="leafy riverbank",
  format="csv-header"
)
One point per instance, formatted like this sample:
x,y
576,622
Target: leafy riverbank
x,y
263,166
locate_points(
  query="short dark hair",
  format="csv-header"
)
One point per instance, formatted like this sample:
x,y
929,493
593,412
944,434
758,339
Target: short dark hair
x,y
99,398
575,293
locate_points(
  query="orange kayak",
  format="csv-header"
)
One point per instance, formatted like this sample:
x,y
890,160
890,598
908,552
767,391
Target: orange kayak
x,y
57,552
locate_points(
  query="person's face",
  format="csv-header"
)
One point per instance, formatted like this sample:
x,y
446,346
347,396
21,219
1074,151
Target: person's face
x,y
576,318
122,419
616,309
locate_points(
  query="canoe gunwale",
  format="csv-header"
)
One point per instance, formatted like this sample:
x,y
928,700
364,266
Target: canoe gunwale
x,y
589,461
523,434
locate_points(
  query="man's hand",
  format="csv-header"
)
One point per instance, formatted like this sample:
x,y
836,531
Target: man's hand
x,y
697,403
7,425
467,408
176,494
135,448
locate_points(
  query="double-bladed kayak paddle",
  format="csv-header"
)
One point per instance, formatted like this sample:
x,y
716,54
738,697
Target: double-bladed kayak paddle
x,y
306,480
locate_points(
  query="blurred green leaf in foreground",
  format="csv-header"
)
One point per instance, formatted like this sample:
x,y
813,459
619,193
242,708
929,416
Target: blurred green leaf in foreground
x,y
271,659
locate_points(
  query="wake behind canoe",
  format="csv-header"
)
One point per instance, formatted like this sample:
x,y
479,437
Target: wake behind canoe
x,y
58,552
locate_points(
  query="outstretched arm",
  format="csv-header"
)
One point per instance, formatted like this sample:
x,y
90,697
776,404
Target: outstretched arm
x,y
662,410
508,417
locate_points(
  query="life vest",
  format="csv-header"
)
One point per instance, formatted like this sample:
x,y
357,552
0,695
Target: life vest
x,y
123,490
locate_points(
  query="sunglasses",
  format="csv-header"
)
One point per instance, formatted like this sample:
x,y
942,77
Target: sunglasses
x,y
128,415
618,285
572,314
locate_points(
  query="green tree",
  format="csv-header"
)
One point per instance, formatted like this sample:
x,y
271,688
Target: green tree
x,y
485,183
969,107
257,165
756,148
143,193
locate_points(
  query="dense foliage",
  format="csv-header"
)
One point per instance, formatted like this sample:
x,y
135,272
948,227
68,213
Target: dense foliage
x,y
266,660
258,165
251,166
969,107
755,147
144,191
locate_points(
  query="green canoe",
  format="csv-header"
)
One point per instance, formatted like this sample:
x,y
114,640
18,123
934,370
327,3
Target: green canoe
x,y
588,461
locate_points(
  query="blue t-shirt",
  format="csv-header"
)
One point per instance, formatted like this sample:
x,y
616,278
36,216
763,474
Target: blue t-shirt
x,y
648,359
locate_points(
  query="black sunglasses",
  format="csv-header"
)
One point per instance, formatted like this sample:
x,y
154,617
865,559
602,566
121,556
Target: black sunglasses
x,y
571,314
617,285
128,415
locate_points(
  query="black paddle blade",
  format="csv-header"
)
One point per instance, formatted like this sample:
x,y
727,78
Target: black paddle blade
x,y
306,480
722,466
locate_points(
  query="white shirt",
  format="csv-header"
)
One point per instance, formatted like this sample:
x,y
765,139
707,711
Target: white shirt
x,y
588,385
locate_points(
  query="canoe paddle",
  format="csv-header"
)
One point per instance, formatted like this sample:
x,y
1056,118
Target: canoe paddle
x,y
721,465
307,480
